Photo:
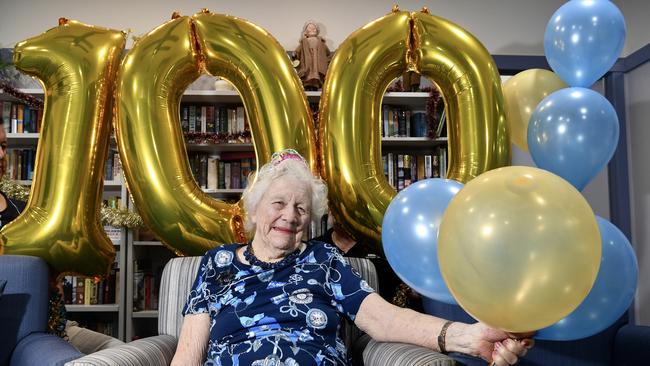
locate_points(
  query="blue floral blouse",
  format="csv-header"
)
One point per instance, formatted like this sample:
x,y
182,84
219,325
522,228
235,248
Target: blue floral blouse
x,y
286,316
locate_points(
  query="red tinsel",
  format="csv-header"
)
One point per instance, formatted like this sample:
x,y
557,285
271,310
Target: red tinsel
x,y
433,102
26,98
217,138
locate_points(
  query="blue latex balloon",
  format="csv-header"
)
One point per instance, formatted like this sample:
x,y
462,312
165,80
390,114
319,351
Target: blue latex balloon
x,y
583,39
410,235
573,133
611,295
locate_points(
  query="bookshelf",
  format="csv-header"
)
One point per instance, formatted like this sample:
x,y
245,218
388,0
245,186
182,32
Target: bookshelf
x,y
106,317
141,257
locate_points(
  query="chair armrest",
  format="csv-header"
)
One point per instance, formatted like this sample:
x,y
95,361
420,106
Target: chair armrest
x,y
43,349
383,353
151,351
632,345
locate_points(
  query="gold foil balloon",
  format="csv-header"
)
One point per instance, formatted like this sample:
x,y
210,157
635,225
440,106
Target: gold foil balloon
x,y
153,77
350,110
470,84
519,248
76,63
257,65
522,94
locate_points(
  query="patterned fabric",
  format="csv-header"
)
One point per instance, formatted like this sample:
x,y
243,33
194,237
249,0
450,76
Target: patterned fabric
x,y
296,320
389,354
151,351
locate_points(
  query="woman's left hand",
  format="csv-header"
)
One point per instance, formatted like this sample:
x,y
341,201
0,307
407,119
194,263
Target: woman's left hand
x,y
495,346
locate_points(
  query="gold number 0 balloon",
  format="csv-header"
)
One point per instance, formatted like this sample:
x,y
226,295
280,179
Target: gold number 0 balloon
x,y
76,64
152,79
350,109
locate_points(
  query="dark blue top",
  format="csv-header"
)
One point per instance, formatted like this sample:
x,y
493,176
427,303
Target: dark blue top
x,y
286,316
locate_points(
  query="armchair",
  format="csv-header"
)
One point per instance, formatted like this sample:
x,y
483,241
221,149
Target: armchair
x,y
621,344
23,315
177,280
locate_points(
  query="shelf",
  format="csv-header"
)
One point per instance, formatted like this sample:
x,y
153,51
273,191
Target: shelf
x,y
220,147
36,91
411,99
412,142
224,192
145,314
22,140
147,243
103,308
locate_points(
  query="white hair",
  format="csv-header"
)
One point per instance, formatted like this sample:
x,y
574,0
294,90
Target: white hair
x,y
259,183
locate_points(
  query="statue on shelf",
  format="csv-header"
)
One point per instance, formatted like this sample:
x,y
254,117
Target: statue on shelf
x,y
313,57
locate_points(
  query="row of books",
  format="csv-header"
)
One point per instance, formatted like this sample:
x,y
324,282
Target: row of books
x,y
21,163
146,285
20,118
90,291
402,170
229,170
207,118
113,166
398,121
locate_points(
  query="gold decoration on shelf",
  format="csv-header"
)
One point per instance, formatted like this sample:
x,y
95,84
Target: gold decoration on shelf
x,y
109,216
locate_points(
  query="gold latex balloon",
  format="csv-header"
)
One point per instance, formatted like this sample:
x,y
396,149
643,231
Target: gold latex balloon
x,y
519,248
350,134
76,63
469,82
151,81
522,94
257,65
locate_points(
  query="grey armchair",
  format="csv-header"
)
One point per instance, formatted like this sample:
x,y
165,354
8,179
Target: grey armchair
x,y
177,279
23,315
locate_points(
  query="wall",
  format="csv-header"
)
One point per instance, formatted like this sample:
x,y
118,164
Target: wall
x,y
504,26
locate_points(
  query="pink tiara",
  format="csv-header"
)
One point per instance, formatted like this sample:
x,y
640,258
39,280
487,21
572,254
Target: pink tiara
x,y
287,154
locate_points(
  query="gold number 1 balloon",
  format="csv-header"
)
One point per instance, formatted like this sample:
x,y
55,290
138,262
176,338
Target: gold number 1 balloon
x,y
76,63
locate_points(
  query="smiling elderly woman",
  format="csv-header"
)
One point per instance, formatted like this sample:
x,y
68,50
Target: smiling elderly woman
x,y
278,300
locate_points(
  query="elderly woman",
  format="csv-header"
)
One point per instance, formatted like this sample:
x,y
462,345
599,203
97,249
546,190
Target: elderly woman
x,y
277,300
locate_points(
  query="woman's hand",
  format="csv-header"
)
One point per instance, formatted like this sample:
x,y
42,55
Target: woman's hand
x,y
493,345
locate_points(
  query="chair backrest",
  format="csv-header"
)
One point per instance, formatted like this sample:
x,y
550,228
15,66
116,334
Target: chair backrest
x,y
177,280
24,302
178,277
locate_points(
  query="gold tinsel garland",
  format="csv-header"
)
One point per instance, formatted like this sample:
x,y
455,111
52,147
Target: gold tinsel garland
x,y
109,216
